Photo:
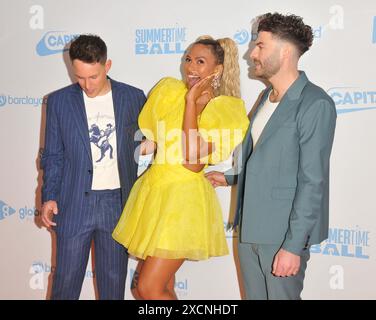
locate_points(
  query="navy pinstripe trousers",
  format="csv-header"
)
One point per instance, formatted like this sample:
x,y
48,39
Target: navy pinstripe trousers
x,y
110,258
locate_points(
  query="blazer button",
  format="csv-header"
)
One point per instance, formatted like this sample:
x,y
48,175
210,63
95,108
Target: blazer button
x,y
86,193
90,171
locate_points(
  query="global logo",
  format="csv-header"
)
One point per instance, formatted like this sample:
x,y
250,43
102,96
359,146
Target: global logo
x,y
351,243
39,270
160,41
352,99
3,100
5,210
241,37
54,42
28,214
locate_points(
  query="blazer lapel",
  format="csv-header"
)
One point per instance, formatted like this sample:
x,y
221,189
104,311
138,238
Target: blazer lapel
x,y
118,112
247,146
288,103
79,115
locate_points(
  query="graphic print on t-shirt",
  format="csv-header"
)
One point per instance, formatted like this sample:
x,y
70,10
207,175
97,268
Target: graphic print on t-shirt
x,y
101,139
102,135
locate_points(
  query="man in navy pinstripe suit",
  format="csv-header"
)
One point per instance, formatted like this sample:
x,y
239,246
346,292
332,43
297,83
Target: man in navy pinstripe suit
x,y
90,165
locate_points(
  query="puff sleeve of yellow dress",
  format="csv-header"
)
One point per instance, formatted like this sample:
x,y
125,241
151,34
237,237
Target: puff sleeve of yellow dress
x,y
161,100
172,212
223,122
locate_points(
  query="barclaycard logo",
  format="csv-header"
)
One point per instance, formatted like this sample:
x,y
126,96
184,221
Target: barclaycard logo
x,y
54,42
25,100
3,100
352,99
5,210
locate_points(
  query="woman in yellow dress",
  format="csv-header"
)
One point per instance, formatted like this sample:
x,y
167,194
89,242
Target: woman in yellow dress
x,y
172,213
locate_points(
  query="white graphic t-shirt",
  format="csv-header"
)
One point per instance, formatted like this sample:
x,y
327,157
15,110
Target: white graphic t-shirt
x,y
101,121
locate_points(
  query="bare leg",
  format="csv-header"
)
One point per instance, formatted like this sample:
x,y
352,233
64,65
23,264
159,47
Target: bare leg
x,y
171,286
134,284
156,279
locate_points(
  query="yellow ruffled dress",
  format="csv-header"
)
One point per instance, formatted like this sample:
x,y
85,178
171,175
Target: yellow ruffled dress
x,y
173,212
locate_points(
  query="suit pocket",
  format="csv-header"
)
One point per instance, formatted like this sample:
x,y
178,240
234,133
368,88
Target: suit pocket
x,y
283,193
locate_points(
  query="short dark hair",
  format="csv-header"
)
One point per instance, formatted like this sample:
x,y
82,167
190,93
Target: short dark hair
x,y
89,49
287,27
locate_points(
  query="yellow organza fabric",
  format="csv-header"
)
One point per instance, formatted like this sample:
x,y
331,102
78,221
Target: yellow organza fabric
x,y
172,212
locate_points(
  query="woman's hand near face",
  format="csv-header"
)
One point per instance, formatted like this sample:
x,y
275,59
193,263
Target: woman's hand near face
x,y
201,93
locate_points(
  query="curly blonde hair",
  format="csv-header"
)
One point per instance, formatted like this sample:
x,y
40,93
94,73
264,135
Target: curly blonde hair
x,y
226,52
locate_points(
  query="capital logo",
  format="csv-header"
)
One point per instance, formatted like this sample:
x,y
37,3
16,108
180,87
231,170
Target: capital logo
x,y
374,30
352,99
160,41
3,100
5,210
54,42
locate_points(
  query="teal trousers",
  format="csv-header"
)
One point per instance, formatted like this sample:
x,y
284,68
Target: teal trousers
x,y
256,262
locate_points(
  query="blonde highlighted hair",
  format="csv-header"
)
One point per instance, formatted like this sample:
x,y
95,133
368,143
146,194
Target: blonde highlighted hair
x,y
226,52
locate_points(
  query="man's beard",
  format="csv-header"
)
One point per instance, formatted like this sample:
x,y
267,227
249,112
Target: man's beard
x,y
269,68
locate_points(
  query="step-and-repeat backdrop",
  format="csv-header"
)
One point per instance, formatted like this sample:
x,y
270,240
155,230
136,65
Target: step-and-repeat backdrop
x,y
146,40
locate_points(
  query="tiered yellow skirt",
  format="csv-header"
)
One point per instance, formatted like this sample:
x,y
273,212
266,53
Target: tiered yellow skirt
x,y
172,213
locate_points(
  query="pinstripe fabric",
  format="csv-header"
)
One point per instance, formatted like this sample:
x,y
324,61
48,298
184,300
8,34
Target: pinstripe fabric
x,y
67,166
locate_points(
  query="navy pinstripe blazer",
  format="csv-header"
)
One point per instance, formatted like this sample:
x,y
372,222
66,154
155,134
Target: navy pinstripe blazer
x,y
67,160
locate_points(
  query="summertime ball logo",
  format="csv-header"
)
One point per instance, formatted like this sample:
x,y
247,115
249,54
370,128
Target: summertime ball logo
x,y
349,242
160,41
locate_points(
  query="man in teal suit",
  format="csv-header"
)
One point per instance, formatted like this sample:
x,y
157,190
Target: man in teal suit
x,y
283,168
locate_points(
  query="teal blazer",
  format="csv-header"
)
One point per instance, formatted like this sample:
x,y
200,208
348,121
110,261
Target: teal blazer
x,y
283,183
